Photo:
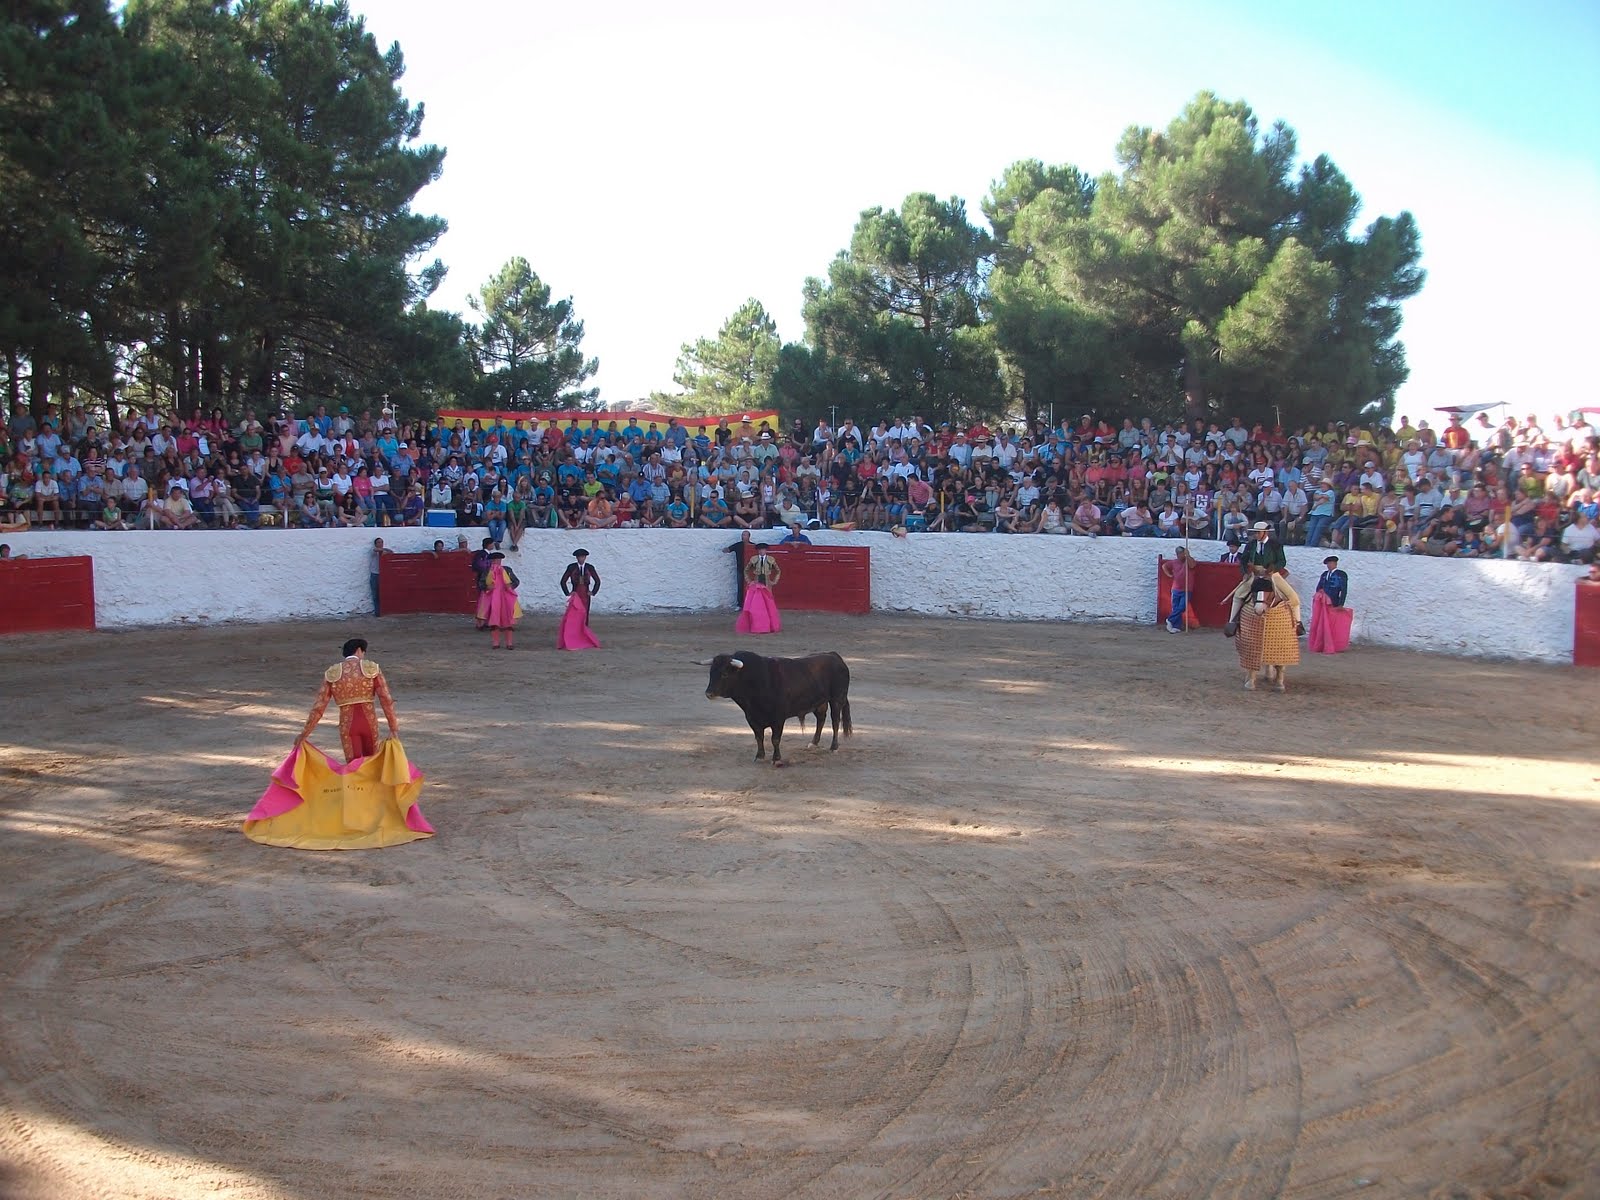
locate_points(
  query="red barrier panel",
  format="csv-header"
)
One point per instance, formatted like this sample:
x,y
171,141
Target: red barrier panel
x,y
1586,625
427,583
39,595
823,578
1210,585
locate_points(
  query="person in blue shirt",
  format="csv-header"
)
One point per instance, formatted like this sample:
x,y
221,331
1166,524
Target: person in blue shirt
x,y
795,534
702,445
677,434
631,431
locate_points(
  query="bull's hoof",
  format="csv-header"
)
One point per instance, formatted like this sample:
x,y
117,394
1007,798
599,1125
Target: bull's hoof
x,y
778,762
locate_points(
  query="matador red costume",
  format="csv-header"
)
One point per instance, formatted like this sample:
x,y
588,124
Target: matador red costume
x,y
357,686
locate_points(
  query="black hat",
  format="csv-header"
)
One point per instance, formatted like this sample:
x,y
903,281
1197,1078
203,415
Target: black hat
x,y
1330,558
496,554
580,554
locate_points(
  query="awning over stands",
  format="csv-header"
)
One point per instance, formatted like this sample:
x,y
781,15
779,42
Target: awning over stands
x,y
1466,410
752,421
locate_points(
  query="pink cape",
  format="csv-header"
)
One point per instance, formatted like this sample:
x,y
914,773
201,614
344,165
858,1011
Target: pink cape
x,y
760,611
498,607
574,633
1330,626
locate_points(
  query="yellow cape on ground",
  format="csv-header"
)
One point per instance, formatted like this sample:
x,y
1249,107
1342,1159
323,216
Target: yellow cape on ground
x,y
315,803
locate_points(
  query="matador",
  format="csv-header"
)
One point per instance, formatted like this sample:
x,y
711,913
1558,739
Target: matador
x,y
356,685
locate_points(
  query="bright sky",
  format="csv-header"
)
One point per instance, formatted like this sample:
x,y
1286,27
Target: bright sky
x,y
662,163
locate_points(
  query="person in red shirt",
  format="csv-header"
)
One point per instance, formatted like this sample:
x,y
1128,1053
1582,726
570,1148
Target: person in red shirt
x,y
1456,436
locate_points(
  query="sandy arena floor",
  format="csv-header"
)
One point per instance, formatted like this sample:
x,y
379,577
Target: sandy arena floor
x,y
1072,914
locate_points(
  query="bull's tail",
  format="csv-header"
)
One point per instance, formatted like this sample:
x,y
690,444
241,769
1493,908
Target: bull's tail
x,y
844,711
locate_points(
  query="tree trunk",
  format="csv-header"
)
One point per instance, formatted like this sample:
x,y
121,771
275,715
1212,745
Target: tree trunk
x,y
13,382
192,379
173,351
260,390
39,390
1030,407
1194,389
211,371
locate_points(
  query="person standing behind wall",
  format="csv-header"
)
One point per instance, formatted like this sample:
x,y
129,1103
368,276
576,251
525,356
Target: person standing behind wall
x,y
374,558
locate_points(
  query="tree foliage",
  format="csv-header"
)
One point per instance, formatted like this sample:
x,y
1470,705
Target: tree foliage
x,y
528,345
240,179
896,325
732,371
1208,269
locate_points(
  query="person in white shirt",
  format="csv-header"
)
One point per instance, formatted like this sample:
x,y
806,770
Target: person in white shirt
x,y
439,494
1578,539
1414,460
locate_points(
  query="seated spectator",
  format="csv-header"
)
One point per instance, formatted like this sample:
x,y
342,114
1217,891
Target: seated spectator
x,y
308,513
716,514
1578,539
626,511
1135,521
1051,518
601,513
109,517
176,512
47,500
746,513
1086,518
677,512
1007,515
1442,536
413,507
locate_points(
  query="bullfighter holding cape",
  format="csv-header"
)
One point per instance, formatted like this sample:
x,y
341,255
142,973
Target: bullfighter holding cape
x,y
760,611
370,800
499,608
579,582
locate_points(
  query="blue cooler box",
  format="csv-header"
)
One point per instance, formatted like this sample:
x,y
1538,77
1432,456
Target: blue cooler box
x,y
440,518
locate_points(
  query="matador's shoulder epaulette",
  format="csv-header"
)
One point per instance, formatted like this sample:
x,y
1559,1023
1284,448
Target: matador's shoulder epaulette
x,y
370,668
332,673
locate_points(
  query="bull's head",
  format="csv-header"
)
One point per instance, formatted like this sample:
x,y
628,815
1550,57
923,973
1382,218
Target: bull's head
x,y
725,670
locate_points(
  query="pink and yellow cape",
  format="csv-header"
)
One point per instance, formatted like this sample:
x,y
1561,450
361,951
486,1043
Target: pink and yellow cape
x,y
317,803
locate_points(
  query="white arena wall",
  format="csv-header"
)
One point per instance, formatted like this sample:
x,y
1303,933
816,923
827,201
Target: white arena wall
x,y
1476,608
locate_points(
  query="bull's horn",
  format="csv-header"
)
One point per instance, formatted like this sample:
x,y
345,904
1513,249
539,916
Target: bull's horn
x,y
701,662
738,662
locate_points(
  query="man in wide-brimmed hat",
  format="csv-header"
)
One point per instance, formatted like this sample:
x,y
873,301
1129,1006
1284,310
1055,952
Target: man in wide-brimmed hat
x,y
1266,552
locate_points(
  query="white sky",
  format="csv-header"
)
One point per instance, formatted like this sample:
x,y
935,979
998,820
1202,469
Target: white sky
x,y
662,163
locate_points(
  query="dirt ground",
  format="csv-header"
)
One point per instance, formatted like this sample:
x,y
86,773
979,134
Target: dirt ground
x,y
1071,914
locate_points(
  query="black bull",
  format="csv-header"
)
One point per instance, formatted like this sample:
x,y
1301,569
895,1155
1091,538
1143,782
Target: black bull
x,y
771,690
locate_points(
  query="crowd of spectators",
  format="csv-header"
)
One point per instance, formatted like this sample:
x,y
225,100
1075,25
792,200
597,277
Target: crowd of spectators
x,y
1464,490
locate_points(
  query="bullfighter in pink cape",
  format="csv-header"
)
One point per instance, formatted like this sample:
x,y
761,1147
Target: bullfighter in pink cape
x,y
760,611
580,583
1330,619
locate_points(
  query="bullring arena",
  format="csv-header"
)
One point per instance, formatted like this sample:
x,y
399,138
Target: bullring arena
x,y
1070,914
